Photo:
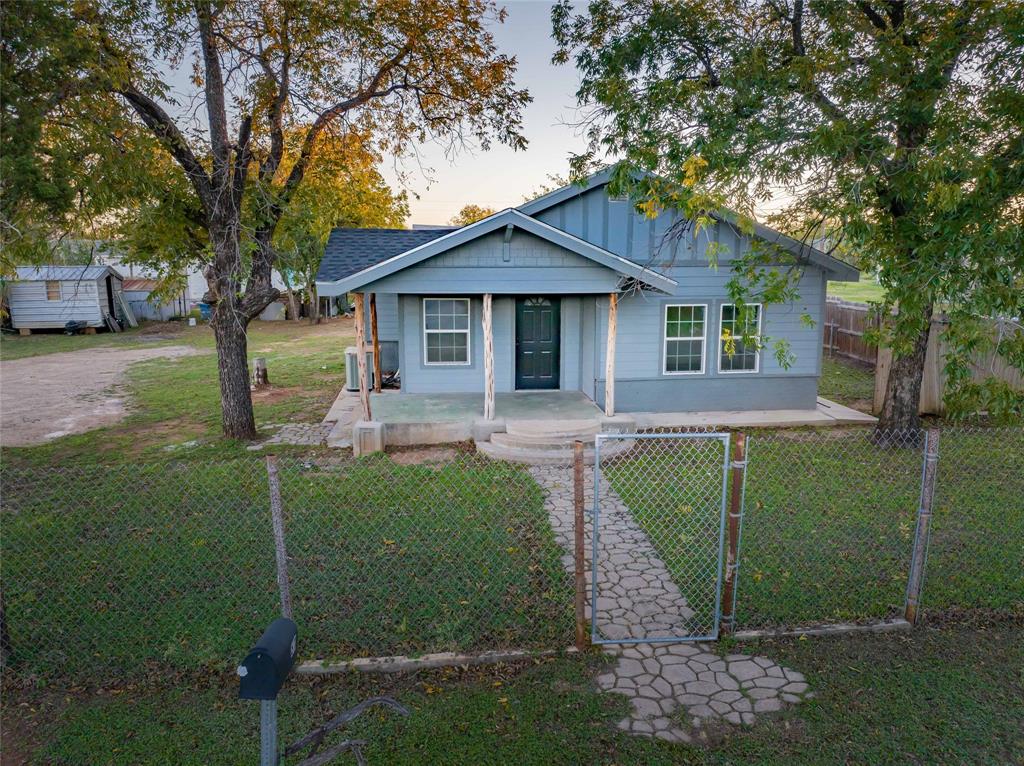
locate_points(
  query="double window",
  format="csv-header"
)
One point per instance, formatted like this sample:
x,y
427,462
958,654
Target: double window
x,y
685,333
739,338
446,330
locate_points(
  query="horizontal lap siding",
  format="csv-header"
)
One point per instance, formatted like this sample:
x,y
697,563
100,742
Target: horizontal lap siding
x,y
80,302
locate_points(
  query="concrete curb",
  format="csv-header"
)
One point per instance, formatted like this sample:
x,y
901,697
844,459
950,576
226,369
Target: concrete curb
x,y
839,629
402,663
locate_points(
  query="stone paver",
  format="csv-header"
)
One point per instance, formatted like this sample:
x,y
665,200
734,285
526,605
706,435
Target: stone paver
x,y
670,685
301,434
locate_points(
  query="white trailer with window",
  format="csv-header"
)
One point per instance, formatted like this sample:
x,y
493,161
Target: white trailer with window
x,y
48,297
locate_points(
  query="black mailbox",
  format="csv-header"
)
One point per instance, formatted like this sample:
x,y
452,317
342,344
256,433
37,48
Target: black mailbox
x,y
267,665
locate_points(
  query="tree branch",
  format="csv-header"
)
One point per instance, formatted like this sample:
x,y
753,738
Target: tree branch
x,y
163,127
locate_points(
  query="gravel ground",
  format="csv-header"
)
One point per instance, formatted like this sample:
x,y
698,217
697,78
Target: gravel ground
x,y
46,397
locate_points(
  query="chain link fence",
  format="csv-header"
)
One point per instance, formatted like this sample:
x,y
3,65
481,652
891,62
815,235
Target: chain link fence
x,y
123,570
114,570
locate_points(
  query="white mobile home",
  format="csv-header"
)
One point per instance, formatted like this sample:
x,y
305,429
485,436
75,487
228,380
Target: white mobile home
x,y
51,296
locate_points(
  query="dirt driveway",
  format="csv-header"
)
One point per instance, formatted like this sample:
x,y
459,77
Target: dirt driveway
x,y
53,395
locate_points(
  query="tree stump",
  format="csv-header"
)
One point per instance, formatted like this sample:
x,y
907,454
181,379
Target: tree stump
x,y
260,378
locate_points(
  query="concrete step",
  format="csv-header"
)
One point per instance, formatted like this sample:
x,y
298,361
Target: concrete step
x,y
549,456
555,429
540,441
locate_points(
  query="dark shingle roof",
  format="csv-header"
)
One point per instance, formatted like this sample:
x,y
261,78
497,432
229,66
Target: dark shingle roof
x,y
351,250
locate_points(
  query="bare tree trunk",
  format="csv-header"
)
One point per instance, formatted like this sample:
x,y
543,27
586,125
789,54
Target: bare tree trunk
x,y
903,389
229,328
314,304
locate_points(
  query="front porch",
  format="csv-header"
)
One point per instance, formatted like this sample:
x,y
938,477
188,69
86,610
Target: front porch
x,y
411,419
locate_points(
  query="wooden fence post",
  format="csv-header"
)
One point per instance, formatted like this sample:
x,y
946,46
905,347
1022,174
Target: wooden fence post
x,y
277,516
579,559
739,465
919,556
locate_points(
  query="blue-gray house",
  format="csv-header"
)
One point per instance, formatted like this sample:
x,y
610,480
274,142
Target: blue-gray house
x,y
548,274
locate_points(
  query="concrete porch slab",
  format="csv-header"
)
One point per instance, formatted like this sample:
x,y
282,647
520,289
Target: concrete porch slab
x,y
827,413
412,419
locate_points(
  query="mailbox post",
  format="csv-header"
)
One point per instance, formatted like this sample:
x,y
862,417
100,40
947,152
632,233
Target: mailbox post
x,y
261,675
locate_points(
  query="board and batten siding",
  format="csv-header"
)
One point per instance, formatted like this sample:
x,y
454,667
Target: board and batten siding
x,y
534,266
80,301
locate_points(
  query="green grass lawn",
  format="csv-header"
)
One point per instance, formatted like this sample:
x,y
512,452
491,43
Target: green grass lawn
x,y
847,383
126,572
953,695
865,291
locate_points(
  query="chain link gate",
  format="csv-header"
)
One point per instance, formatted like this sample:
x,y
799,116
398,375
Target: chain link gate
x,y
658,536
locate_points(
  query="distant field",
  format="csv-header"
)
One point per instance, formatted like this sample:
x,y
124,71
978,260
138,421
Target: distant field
x,y
861,292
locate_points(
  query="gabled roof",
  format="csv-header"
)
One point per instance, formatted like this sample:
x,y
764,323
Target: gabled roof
x,y
495,222
349,251
65,273
837,269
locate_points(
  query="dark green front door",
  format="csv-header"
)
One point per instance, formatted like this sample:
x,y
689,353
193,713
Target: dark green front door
x,y
537,343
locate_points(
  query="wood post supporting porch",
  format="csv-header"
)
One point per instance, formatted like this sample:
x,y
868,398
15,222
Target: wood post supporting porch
x,y
364,387
488,327
377,382
609,367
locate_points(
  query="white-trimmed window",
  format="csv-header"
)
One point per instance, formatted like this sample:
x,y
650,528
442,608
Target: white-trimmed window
x,y
446,330
52,290
685,328
739,339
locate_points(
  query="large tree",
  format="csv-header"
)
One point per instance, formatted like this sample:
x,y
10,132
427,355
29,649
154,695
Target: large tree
x,y
404,71
900,123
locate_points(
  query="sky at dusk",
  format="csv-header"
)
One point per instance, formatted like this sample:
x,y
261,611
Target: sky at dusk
x,y
500,178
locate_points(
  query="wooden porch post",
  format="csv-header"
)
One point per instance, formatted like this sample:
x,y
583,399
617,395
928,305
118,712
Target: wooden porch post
x,y
488,357
609,366
364,389
376,343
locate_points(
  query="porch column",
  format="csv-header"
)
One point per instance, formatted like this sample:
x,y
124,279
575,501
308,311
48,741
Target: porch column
x,y
609,357
376,343
364,389
488,323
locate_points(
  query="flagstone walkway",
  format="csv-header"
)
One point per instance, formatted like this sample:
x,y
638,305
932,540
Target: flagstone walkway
x,y
675,689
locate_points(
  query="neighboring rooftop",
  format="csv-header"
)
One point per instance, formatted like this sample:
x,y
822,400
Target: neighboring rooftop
x,y
350,251
67,273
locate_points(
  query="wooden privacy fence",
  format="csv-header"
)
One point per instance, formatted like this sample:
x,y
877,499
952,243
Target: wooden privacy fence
x,y
845,325
984,365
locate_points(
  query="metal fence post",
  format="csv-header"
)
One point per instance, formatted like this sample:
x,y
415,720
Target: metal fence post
x,y
268,733
579,559
277,515
739,465
919,555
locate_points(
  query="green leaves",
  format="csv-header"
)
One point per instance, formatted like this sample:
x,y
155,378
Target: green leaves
x,y
898,134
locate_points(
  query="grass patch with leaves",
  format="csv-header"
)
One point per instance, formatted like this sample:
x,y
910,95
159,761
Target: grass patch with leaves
x,y
953,695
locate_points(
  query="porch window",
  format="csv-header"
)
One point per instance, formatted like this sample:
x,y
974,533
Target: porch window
x,y
446,330
52,290
740,339
684,339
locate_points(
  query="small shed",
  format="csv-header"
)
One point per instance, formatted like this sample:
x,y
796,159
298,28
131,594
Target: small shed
x,y
144,305
45,297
